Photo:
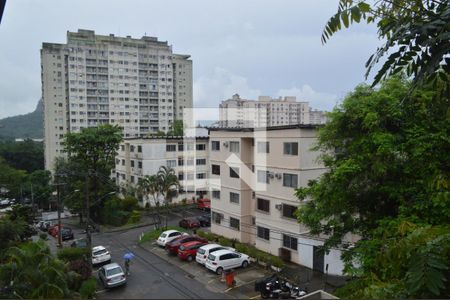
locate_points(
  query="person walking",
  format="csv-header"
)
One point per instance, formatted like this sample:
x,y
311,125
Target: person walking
x,y
127,257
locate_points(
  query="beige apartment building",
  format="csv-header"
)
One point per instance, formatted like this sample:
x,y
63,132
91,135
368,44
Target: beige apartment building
x,y
188,156
266,112
254,174
138,84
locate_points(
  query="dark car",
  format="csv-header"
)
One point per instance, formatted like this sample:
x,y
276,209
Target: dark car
x,y
79,243
205,220
66,234
189,223
172,247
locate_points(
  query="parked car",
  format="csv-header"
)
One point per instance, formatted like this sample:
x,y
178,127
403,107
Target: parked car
x,y
204,204
112,275
53,230
172,247
204,251
100,255
66,234
221,260
189,223
168,236
205,220
79,243
188,251
44,225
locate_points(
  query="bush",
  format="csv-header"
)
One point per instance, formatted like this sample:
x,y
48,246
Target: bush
x,y
129,203
224,242
87,289
72,254
243,248
43,236
81,266
135,216
276,261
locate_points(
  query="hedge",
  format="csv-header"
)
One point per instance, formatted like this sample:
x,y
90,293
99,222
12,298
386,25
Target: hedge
x,y
72,254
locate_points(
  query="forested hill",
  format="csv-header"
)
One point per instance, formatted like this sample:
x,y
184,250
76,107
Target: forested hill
x,y
24,126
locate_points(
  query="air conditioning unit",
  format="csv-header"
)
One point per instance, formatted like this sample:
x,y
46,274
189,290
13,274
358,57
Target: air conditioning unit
x,y
278,175
225,144
279,206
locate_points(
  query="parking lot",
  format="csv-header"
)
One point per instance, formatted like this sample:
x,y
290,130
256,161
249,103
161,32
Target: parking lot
x,y
245,278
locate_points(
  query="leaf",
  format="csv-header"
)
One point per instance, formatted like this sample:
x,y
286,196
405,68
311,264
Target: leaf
x,y
356,14
344,17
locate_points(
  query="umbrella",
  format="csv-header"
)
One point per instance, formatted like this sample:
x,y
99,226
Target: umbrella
x,y
128,255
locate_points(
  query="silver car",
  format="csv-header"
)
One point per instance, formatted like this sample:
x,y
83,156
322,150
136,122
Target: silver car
x,y
112,275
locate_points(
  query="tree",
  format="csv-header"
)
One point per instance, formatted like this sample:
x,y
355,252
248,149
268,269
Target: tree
x,y
10,234
177,128
150,185
27,155
387,155
38,186
11,179
168,182
416,34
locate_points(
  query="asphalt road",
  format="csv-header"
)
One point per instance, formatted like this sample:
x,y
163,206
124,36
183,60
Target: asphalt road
x,y
151,277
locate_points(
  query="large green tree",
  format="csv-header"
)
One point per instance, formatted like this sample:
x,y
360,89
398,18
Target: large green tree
x,y
168,181
416,35
27,155
387,152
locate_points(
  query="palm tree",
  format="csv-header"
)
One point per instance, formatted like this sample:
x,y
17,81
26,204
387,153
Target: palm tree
x,y
30,271
150,185
168,182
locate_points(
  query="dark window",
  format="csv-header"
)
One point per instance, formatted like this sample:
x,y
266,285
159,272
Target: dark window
x,y
263,204
181,176
201,161
201,175
139,149
290,148
263,232
290,242
132,163
140,164
215,145
131,148
290,180
200,147
263,147
216,194
289,211
234,223
180,147
234,197
234,172
180,161
171,148
215,169
216,217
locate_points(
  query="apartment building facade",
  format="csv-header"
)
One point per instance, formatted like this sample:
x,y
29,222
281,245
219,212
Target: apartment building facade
x,y
188,156
254,174
138,84
267,112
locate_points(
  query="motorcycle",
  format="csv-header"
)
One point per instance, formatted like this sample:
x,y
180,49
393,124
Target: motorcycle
x,y
275,288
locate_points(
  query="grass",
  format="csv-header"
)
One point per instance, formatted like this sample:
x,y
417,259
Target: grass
x,y
154,234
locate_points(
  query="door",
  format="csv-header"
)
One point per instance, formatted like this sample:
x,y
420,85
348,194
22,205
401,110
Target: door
x,y
226,261
318,259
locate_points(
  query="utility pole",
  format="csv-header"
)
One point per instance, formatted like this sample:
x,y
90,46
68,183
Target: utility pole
x,y
32,199
88,220
58,197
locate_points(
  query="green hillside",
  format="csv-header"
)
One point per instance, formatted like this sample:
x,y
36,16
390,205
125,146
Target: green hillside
x,y
24,126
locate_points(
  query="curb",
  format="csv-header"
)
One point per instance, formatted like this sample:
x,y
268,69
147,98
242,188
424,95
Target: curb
x,y
128,228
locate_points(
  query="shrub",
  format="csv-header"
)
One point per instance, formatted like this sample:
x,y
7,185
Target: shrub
x,y
276,262
129,203
183,201
243,248
224,241
72,254
43,236
81,267
87,289
135,216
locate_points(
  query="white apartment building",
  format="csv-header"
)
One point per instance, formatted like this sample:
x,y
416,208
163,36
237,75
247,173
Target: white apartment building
x,y
188,156
266,112
254,174
138,84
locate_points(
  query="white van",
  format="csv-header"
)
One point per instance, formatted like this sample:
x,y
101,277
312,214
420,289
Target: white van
x,y
221,260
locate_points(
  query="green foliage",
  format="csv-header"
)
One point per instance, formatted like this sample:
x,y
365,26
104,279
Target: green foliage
x,y
113,213
177,128
27,155
129,203
71,254
224,241
11,179
88,288
154,234
415,33
11,233
24,126
23,217
386,152
43,236
168,182
207,235
149,185
135,216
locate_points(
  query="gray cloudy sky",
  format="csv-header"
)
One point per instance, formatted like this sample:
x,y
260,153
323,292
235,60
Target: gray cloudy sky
x,y
251,47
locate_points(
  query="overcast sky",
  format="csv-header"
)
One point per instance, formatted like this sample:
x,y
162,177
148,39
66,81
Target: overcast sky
x,y
250,47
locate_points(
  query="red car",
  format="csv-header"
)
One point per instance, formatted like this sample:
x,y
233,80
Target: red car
x,y
189,223
188,251
172,247
204,204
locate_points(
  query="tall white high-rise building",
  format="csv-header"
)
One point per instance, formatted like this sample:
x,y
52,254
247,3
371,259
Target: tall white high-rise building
x,y
138,84
266,112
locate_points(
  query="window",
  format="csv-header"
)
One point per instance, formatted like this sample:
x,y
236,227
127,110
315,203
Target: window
x,y
200,147
234,147
180,146
132,163
171,163
234,223
263,176
139,149
122,147
215,146
140,164
290,148
215,169
171,148
289,211
181,176
290,242
263,205
263,147
131,148
180,161
123,162
234,172
263,233
201,175
234,197
216,217
290,180
216,194
201,161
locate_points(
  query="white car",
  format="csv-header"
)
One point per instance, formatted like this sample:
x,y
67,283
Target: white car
x,y
168,236
221,260
204,251
100,255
